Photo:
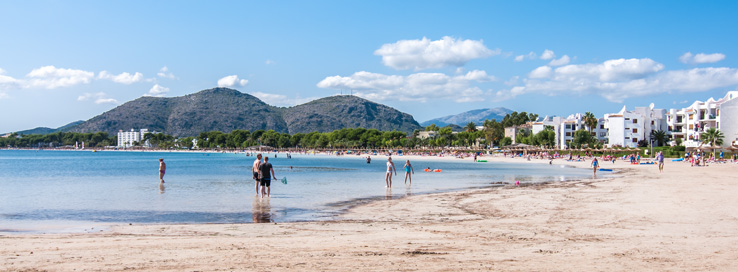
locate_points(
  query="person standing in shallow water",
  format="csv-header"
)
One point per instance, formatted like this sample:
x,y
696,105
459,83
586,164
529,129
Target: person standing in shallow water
x,y
255,172
594,166
409,167
266,172
162,170
390,168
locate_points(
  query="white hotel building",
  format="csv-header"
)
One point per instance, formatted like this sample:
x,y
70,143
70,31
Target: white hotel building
x,y
127,138
690,122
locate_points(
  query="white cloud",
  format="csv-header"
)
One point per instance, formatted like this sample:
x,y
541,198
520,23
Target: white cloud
x,y
4,95
619,79
477,75
50,77
547,55
123,78
282,100
541,72
424,53
270,62
231,81
8,82
164,73
157,91
415,87
701,58
562,61
98,98
530,55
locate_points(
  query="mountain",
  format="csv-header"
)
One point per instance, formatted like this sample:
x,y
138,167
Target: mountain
x,y
220,109
476,116
45,130
224,109
346,111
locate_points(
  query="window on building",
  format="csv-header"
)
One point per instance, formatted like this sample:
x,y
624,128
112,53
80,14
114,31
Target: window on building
x,y
652,123
635,140
626,119
568,126
635,130
691,126
635,121
568,134
602,126
603,134
627,138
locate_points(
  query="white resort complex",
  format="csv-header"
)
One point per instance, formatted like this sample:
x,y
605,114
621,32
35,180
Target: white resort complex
x,y
626,128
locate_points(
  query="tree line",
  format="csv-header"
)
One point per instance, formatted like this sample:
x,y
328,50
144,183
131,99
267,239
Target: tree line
x,y
491,134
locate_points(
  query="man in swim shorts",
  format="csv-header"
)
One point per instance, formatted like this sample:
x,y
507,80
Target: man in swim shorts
x,y
162,170
388,176
255,172
266,172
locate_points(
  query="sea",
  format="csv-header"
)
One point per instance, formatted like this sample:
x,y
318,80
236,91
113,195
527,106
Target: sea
x,y
49,191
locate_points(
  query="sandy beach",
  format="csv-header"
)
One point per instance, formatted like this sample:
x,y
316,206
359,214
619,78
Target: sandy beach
x,y
639,220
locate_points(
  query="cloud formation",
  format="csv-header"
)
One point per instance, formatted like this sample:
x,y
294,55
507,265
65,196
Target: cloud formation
x,y
7,82
157,91
232,81
530,55
164,73
414,87
561,61
123,78
547,55
98,98
425,54
50,77
619,79
701,58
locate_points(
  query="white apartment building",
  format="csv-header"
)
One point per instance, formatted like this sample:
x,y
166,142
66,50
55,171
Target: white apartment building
x,y
690,122
627,128
567,127
127,138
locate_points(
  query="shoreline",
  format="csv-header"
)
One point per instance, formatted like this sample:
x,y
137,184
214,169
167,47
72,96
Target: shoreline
x,y
638,220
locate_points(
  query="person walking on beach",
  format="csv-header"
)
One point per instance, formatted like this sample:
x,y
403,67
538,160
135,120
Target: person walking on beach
x,y
660,159
390,168
255,172
594,166
162,170
266,172
409,167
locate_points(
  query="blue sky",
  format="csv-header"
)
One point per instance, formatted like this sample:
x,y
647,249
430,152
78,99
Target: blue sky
x,y
62,61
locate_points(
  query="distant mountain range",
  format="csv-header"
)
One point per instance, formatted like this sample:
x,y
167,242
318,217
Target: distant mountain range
x,y
476,116
223,109
45,130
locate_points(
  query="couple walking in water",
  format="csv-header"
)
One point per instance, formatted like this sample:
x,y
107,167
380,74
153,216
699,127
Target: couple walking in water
x,y
391,168
262,175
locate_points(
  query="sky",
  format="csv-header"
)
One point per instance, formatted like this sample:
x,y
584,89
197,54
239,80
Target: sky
x,y
63,61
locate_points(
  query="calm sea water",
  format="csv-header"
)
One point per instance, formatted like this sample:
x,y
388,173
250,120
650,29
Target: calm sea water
x,y
48,191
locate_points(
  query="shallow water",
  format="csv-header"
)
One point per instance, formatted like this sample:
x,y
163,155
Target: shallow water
x,y
74,190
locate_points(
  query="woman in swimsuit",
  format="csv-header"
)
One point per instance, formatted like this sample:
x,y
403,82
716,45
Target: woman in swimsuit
x,y
388,176
408,167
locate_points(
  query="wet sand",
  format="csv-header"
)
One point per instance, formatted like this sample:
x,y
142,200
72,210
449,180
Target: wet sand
x,y
682,220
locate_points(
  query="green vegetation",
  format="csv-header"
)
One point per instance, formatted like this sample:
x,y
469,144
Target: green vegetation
x,y
57,139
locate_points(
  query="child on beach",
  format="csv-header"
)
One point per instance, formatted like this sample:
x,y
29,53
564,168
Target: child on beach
x,y
408,167
594,166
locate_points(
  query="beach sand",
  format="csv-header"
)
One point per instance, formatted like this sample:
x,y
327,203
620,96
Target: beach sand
x,y
682,220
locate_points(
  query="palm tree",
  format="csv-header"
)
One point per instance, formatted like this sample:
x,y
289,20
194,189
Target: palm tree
x,y
713,137
590,121
470,127
660,137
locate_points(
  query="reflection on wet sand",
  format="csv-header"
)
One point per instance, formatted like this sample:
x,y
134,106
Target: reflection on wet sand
x,y
408,191
388,194
162,188
261,210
